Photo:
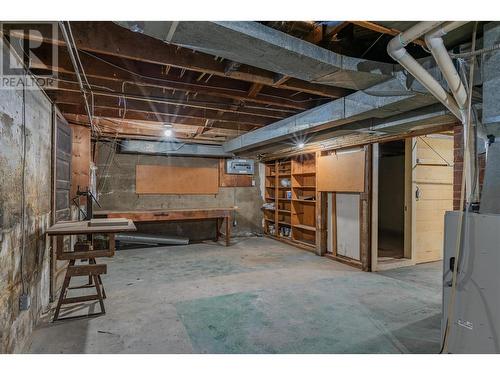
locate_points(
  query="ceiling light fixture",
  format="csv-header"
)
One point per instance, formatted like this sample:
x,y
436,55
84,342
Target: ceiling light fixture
x,y
168,131
300,145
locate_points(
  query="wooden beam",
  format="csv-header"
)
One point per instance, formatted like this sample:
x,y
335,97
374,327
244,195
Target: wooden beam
x,y
254,89
114,113
331,33
280,79
68,84
125,129
95,68
315,35
110,39
104,100
384,30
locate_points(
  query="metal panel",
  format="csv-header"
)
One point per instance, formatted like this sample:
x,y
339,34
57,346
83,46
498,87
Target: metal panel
x,y
172,148
258,45
475,326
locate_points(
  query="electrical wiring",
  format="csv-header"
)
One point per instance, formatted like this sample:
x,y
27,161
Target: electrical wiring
x,y
70,45
23,189
195,84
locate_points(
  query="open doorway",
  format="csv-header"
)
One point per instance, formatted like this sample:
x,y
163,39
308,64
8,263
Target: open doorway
x,y
391,201
412,190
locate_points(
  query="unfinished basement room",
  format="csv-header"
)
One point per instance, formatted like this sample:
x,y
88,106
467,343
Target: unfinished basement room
x,y
201,186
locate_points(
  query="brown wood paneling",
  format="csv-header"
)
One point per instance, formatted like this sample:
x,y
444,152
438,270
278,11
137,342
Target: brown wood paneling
x,y
342,172
166,179
232,180
80,161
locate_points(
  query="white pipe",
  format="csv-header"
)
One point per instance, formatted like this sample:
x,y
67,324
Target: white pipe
x,y
396,49
434,41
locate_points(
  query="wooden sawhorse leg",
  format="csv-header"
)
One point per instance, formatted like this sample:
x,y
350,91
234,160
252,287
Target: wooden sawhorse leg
x,y
92,270
228,230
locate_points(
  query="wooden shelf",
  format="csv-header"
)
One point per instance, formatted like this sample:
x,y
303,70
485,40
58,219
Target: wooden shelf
x,y
302,213
305,200
305,243
305,227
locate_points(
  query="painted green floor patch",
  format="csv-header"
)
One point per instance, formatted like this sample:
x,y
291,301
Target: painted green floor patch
x,y
301,320
223,324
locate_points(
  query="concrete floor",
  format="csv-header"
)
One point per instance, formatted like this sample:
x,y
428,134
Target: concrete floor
x,y
257,296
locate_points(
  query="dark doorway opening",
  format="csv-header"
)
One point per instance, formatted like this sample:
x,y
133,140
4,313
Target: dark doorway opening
x,y
391,200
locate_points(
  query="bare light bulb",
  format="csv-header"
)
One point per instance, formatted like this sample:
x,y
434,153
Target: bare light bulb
x,y
300,145
167,132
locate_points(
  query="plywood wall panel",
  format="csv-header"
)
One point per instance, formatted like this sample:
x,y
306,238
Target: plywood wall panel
x,y
342,172
80,159
232,180
167,179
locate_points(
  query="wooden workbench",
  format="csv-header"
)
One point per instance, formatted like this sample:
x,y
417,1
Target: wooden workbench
x,y
217,214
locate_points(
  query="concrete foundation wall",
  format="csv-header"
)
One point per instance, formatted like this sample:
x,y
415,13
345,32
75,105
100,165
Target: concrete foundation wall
x,y
33,264
117,192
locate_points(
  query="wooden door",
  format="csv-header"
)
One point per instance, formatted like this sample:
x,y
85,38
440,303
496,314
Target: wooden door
x,y
61,204
432,186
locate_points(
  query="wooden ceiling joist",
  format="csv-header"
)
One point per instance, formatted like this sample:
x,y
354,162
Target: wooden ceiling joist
x,y
95,68
110,39
119,103
126,114
155,94
384,30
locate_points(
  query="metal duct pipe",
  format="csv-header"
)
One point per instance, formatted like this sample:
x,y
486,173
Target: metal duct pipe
x,y
396,49
434,41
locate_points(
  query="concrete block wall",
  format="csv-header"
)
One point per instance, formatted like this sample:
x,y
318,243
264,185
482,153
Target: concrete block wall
x,y
34,264
118,193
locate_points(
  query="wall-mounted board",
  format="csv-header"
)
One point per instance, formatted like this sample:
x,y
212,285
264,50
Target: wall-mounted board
x,y
167,179
342,172
80,161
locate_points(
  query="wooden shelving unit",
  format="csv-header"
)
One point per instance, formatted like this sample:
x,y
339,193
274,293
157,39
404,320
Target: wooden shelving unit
x,y
291,186
304,199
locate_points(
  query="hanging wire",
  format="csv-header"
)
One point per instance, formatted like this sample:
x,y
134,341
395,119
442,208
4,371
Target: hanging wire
x,y
78,67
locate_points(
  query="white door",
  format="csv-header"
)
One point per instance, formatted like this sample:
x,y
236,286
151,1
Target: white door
x,y
347,225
